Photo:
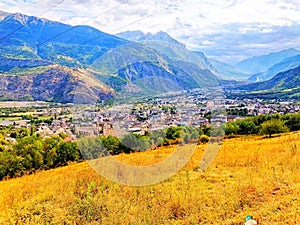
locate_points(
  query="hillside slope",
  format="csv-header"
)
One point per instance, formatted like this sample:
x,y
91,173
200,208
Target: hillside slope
x,y
284,65
54,83
285,80
253,176
148,71
228,72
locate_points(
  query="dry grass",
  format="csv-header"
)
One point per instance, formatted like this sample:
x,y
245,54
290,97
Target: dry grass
x,y
254,176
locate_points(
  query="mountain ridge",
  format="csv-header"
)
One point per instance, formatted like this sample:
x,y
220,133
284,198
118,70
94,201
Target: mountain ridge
x,y
227,71
33,37
139,36
28,52
31,47
262,63
284,80
286,64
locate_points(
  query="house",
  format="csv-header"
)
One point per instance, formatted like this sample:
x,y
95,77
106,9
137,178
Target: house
x,y
136,130
108,129
232,118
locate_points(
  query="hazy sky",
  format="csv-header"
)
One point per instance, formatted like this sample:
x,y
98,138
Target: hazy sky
x,y
228,30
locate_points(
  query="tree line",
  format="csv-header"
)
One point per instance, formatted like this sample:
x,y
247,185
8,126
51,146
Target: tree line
x,y
30,152
264,124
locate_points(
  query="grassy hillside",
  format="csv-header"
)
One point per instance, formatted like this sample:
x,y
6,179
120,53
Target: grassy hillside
x,y
257,176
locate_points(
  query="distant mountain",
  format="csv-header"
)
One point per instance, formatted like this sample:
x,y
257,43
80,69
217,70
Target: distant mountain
x,y
206,61
28,37
284,80
31,47
146,70
284,65
161,58
228,72
139,36
180,53
259,64
165,44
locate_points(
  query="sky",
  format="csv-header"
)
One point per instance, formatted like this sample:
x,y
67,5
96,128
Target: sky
x,y
227,30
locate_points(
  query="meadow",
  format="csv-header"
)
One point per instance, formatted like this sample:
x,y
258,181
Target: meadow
x,y
251,175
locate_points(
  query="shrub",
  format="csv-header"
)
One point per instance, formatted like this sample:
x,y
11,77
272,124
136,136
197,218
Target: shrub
x,y
203,138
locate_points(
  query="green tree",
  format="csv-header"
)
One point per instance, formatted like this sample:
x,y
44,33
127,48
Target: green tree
x,y
231,128
173,132
136,142
247,126
10,164
293,121
157,137
112,145
91,148
260,119
31,149
217,131
205,130
273,126
67,152
50,155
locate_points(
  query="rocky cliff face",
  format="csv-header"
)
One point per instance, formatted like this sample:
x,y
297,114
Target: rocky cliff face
x,y
57,84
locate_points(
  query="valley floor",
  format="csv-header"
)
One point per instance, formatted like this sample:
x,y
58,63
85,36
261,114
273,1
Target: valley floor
x,y
251,175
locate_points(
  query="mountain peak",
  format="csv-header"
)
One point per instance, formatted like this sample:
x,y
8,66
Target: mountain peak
x,y
162,36
24,19
135,35
139,36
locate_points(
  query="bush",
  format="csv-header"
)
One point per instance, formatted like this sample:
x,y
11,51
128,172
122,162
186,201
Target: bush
x,y
203,139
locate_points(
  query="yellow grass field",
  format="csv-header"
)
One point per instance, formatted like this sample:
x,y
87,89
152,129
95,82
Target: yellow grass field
x,y
257,176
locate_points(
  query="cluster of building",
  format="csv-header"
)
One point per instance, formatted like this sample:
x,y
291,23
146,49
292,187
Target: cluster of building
x,y
160,113
150,115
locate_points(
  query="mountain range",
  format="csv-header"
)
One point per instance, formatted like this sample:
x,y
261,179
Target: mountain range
x,y
228,72
262,63
284,83
31,46
286,64
28,37
166,45
51,61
